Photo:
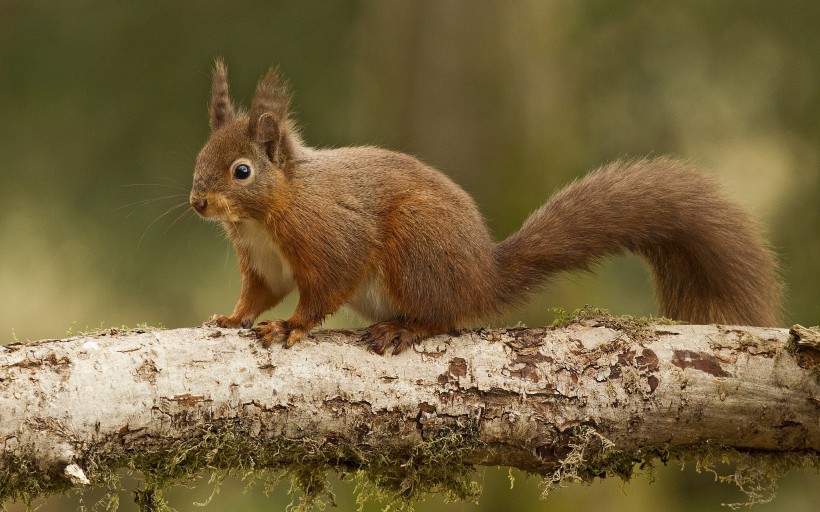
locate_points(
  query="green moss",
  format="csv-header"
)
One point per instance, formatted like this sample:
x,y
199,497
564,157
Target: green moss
x,y
754,473
110,331
397,476
564,318
21,480
638,327
406,474
123,329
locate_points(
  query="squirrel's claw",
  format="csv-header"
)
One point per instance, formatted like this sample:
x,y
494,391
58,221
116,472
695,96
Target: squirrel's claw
x,y
295,335
392,335
271,332
223,321
278,331
229,322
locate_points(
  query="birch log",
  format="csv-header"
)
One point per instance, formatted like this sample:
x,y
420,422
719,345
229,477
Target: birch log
x,y
73,410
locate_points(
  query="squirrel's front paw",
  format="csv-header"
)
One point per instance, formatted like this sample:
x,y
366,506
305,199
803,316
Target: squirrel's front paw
x,y
230,322
278,331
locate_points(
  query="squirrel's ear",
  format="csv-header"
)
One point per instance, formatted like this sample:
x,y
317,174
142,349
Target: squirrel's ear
x,y
221,110
269,123
269,133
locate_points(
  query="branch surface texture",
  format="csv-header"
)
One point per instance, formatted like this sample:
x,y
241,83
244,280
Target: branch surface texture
x,y
598,395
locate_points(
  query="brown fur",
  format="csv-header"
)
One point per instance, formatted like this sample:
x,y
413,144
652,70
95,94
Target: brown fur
x,y
221,110
407,247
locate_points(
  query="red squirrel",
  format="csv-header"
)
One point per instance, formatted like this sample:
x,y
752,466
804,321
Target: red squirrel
x,y
407,248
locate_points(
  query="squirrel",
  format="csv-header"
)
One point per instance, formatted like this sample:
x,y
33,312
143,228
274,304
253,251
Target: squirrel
x,y
406,247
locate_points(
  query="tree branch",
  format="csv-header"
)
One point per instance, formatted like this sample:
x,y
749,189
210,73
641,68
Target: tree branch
x,y
588,399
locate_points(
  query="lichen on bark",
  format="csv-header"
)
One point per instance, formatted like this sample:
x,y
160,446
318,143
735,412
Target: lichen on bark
x,y
596,396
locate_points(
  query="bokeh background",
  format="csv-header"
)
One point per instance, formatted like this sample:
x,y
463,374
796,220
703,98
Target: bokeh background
x,y
103,109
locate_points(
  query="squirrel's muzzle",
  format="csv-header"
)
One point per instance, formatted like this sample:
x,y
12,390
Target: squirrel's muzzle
x,y
200,204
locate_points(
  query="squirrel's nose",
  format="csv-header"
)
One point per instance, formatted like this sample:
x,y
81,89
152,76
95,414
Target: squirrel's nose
x,y
199,204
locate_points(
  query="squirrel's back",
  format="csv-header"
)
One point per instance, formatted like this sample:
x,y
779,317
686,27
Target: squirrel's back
x,y
430,248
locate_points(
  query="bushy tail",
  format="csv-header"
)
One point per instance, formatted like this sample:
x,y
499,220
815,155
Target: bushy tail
x,y
708,260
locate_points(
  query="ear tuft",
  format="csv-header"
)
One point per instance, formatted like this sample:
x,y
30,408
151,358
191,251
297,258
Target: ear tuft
x,y
221,109
271,97
270,123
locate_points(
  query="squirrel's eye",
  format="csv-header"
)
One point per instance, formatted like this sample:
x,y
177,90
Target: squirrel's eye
x,y
242,172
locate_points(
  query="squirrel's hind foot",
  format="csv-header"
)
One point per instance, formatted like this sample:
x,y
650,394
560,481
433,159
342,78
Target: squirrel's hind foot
x,y
394,336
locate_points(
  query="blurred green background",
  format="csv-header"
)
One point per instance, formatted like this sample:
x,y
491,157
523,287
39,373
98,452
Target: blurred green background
x,y
103,109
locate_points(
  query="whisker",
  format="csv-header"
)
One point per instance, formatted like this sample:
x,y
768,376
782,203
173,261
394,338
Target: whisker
x,y
164,185
180,216
228,253
166,178
143,202
187,157
169,210
227,207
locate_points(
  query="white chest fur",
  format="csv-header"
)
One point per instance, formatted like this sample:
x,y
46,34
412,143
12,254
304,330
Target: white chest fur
x,y
265,257
370,299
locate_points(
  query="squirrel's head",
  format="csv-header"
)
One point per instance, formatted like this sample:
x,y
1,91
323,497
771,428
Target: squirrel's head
x,y
248,156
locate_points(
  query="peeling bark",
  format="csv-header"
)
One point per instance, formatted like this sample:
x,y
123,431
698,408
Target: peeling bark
x,y
73,410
